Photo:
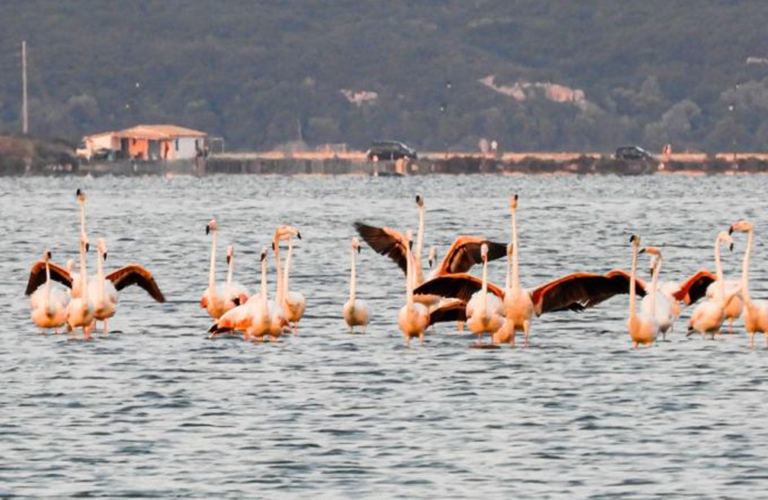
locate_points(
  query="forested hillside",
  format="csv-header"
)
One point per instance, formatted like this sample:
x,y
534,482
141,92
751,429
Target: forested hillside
x,y
532,74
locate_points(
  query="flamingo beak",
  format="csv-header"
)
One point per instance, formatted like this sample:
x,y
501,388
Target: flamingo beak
x,y
632,239
730,247
87,247
105,256
358,249
730,231
207,230
642,250
298,235
49,255
229,258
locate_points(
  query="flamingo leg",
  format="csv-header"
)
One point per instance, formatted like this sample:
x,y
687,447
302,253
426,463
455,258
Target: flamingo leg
x,y
730,326
421,338
105,330
527,332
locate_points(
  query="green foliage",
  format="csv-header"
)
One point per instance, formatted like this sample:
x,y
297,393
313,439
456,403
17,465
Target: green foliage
x,y
262,72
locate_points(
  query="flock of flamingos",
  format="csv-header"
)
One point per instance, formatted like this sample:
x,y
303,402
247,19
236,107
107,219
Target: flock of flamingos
x,y
448,294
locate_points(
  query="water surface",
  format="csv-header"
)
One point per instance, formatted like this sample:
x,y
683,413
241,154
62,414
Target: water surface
x,y
157,410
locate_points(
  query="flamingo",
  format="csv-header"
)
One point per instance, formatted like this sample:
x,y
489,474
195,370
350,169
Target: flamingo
x,y
261,309
241,317
80,311
413,318
484,311
355,311
103,290
294,303
278,319
708,316
755,313
643,329
214,300
664,308
49,305
234,293
735,305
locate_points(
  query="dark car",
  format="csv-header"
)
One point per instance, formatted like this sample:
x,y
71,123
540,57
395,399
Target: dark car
x,y
632,153
390,150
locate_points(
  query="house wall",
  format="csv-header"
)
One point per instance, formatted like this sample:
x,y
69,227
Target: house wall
x,y
184,147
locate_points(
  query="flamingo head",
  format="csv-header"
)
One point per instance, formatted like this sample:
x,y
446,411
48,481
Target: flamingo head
x,y
635,240
264,251
46,255
513,202
740,226
419,200
102,248
409,238
80,195
230,253
355,244
432,257
724,237
484,252
212,226
286,232
84,243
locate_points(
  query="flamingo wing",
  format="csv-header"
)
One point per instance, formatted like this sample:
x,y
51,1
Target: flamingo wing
x,y
454,311
695,287
460,286
579,291
465,253
37,276
134,274
385,241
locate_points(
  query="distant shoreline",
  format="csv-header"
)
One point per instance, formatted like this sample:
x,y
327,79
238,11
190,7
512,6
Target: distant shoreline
x,y
429,163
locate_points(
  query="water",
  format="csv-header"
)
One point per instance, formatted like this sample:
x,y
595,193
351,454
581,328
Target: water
x,y
157,410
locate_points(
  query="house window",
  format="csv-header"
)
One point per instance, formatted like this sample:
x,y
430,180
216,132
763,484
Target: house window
x,y
177,144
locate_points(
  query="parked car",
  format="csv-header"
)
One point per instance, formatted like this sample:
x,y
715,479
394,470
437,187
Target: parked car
x,y
632,153
390,150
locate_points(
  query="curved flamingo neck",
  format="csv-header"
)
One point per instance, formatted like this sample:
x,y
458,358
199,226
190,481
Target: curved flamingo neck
x,y
515,253
484,296
264,289
633,284
409,278
100,273
287,271
47,294
509,271
420,236
654,284
212,272
231,270
745,269
83,278
352,277
279,295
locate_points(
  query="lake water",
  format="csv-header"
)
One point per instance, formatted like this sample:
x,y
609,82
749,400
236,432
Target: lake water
x,y
157,410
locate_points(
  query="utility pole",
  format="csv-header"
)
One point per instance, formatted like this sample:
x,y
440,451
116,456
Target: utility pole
x,y
24,113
